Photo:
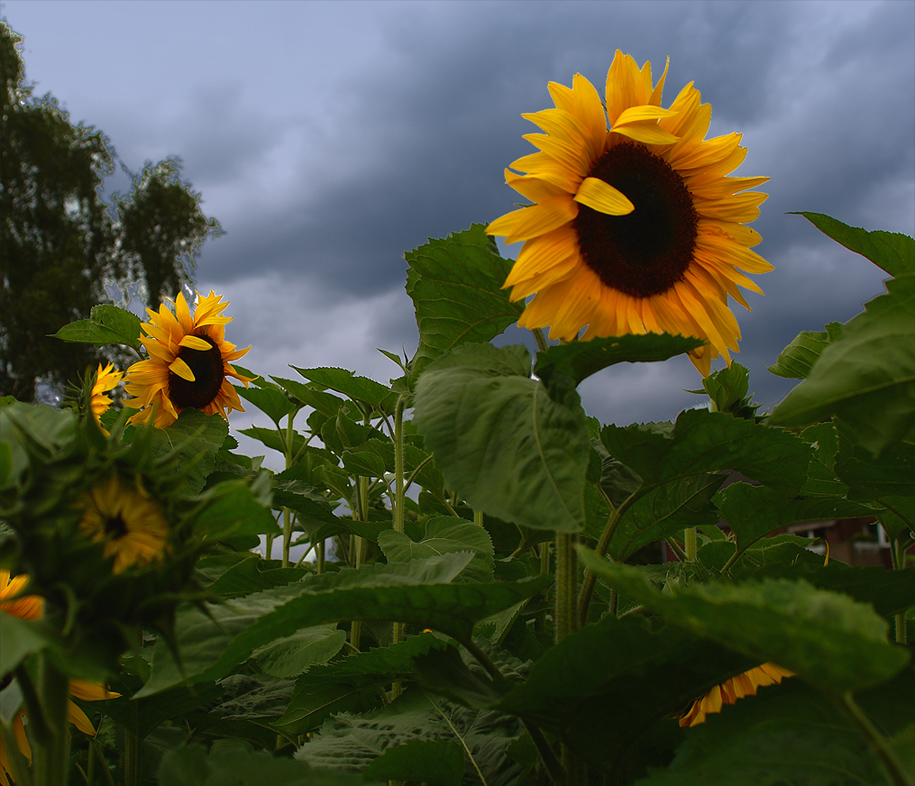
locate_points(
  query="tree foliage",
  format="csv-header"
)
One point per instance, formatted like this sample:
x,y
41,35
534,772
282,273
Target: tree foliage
x,y
63,248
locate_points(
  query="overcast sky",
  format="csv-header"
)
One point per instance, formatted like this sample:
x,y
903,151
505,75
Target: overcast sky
x,y
328,138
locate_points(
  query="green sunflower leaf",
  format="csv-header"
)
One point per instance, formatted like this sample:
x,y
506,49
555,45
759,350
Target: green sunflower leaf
x,y
867,377
786,734
234,762
443,535
268,400
499,439
309,396
436,762
336,686
456,288
665,510
892,251
106,325
291,655
215,639
752,512
194,438
796,360
831,640
359,389
870,477
578,360
701,441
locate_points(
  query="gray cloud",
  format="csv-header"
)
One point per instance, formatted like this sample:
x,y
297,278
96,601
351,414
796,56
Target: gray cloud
x,y
330,140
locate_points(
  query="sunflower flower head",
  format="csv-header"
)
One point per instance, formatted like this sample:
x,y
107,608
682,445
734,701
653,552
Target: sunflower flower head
x,y
189,363
130,524
729,692
634,225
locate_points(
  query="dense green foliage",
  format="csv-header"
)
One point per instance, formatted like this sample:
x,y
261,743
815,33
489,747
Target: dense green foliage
x,y
407,622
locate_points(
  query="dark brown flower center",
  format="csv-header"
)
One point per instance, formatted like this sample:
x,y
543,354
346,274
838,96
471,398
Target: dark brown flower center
x,y
209,372
115,527
649,250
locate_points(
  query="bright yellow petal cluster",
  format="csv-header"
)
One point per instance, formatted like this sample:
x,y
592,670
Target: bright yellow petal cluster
x,y
107,378
171,339
131,525
729,692
567,173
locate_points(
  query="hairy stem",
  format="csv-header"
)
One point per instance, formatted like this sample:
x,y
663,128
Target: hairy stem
x,y
895,771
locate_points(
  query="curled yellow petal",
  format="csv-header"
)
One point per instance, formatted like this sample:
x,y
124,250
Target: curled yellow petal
x,y
182,369
601,196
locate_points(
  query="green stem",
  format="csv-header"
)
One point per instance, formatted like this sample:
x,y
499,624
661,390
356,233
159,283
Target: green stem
x,y
566,620
397,514
132,760
51,737
690,543
898,554
895,771
538,337
675,548
587,582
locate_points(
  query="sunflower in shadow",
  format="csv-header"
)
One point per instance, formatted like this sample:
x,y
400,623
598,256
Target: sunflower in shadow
x,y
189,363
634,225
729,692
130,524
31,607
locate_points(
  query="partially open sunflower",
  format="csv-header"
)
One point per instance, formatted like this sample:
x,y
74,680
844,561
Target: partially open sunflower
x,y
729,692
189,363
635,227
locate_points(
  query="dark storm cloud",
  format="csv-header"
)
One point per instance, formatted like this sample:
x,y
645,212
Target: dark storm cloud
x,y
350,136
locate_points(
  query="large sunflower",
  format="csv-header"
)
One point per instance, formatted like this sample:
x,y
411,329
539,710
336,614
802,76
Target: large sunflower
x,y
189,363
131,525
633,229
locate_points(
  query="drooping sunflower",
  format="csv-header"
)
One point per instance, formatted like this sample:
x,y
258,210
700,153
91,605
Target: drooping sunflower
x,y
729,692
132,525
189,363
31,607
635,227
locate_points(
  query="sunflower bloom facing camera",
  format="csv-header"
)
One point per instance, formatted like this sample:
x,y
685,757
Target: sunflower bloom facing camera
x,y
634,225
189,363
131,525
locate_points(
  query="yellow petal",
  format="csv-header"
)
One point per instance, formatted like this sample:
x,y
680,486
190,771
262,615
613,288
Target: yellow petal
x,y
601,196
193,342
182,369
532,187
535,220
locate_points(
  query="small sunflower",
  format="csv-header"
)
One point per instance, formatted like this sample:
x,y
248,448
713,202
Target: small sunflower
x,y
31,607
189,363
729,692
634,226
131,525
107,379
